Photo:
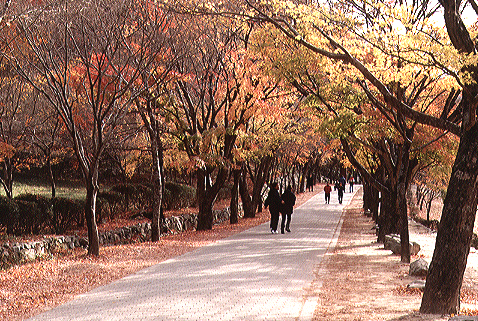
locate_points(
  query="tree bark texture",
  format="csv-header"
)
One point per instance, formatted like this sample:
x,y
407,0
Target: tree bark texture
x,y
260,180
156,150
455,231
388,218
245,197
371,200
207,196
51,176
234,206
402,211
90,214
7,180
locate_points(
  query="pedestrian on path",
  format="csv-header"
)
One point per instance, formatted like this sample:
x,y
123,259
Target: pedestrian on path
x,y
274,202
289,201
327,190
340,192
351,183
310,183
342,181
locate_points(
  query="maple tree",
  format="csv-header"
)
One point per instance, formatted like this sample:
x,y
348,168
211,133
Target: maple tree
x,y
423,44
17,118
324,90
205,136
213,104
156,81
81,60
48,141
261,148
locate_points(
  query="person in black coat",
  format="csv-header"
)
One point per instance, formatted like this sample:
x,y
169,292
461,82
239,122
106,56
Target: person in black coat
x,y
287,208
274,202
340,192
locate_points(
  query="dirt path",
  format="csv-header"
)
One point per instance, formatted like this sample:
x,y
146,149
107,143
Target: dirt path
x,y
362,281
29,289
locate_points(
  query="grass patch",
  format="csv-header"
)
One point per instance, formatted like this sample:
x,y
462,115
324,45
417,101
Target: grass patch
x,y
72,191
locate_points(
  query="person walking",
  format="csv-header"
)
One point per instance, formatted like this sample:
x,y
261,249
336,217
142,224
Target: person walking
x,y
327,190
342,181
274,202
351,183
340,192
310,183
289,201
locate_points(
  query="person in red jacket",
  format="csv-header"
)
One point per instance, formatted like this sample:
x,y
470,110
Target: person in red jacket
x,y
327,190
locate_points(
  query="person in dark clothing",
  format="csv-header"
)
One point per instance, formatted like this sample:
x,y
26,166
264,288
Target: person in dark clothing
x,y
274,202
310,183
351,182
340,192
287,208
342,181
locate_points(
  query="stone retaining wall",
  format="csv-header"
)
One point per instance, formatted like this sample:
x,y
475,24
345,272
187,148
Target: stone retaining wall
x,y
18,253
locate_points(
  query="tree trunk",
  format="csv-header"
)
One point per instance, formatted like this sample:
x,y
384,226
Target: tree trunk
x,y
371,200
245,197
157,155
260,180
303,176
207,196
375,203
7,180
455,231
51,176
90,214
367,196
234,206
429,207
388,222
405,170
418,194
401,208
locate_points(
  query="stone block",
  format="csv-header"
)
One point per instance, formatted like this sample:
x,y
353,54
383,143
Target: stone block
x,y
392,243
28,255
464,318
419,268
417,284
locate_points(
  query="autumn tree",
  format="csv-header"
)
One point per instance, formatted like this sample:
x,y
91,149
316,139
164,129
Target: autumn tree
x,y
79,55
205,136
47,137
17,118
266,132
454,54
213,105
156,81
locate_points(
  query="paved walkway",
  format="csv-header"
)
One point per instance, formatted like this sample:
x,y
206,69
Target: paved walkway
x,y
253,275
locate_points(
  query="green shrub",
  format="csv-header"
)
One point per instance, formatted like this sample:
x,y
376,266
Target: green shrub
x,y
65,213
44,204
110,203
31,220
140,196
136,196
9,214
178,196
